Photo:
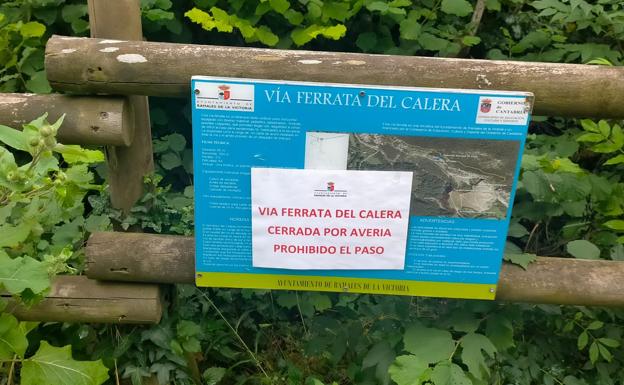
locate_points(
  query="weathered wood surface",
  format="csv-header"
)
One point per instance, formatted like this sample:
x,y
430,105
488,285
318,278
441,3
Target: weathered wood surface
x,y
88,120
79,299
171,259
165,69
121,19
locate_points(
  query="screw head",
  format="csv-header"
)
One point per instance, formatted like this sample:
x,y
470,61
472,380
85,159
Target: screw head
x,y
362,93
491,290
197,92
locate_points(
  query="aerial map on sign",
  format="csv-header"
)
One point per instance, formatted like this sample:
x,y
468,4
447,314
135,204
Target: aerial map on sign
x,y
452,177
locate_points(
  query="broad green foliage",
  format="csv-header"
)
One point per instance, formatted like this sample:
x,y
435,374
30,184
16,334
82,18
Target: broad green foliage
x,y
569,203
55,366
43,185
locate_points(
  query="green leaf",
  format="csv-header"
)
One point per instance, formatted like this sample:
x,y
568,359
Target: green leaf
x,y
406,370
266,36
593,352
615,160
38,83
72,12
470,41
321,302
32,29
170,160
604,128
188,329
516,230
499,330
516,256
583,249
21,273
456,7
280,6
493,5
55,366
213,375
410,28
595,325
12,338
366,41
473,345
610,342
429,344
590,137
589,125
582,340
431,42
13,235
159,15
615,224
447,373
77,154
14,138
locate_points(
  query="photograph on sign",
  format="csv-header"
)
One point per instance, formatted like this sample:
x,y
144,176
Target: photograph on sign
x,y
354,188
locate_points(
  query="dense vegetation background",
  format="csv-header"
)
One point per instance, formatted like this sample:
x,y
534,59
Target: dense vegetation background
x,y
570,202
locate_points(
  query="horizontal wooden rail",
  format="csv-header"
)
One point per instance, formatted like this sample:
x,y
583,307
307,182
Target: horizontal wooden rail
x,y
79,299
170,259
88,120
84,65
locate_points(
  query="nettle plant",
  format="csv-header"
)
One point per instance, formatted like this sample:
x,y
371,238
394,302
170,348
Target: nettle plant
x,y
42,188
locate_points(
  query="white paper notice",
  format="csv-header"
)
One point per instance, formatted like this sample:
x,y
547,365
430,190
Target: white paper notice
x,y
329,219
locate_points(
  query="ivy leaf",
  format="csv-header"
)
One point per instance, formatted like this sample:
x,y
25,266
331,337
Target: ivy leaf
x,y
320,301
470,41
406,370
55,366
429,344
19,274
456,7
472,346
380,356
583,249
12,338
446,373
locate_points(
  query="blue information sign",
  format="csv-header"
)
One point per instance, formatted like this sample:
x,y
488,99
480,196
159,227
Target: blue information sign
x,y
463,147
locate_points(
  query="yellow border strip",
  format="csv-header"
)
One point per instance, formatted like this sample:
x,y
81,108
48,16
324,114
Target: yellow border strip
x,y
346,285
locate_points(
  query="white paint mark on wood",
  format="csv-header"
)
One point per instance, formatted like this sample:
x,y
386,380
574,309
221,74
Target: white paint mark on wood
x,y
131,58
68,50
483,80
110,41
337,62
309,61
109,49
355,62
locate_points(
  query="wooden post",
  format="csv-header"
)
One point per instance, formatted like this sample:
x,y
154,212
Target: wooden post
x,y
88,120
165,69
79,299
171,259
121,19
